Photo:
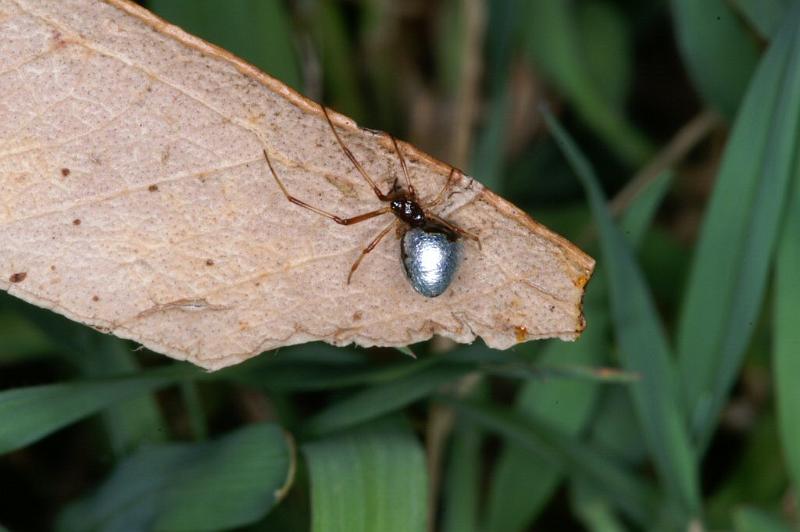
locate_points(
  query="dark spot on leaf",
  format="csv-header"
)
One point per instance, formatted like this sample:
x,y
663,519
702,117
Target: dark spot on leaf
x,y
58,40
357,315
76,221
209,262
65,172
18,277
152,188
95,298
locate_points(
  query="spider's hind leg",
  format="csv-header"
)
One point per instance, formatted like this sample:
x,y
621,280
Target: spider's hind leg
x,y
300,203
370,247
456,229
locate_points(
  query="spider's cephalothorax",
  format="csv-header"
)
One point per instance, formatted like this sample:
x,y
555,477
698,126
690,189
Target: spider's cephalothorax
x,y
429,245
408,211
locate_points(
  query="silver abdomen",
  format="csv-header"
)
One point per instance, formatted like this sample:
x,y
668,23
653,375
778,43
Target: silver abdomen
x,y
431,259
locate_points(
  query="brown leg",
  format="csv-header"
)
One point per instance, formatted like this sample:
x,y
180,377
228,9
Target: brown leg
x,y
364,174
454,228
343,221
370,247
440,196
410,187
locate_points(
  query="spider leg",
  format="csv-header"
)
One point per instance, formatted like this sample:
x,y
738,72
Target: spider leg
x,y
364,174
454,228
370,247
440,196
338,219
410,187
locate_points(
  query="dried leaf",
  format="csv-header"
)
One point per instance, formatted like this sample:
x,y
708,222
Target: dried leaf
x,y
136,199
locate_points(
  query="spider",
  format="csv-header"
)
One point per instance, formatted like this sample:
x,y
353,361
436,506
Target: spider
x,y
429,245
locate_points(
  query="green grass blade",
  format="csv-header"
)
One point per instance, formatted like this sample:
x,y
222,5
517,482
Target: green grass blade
x,y
719,52
753,520
523,481
451,53
514,500
487,160
634,497
382,399
258,32
29,414
593,510
758,476
731,264
232,481
786,362
613,430
195,414
554,42
643,345
551,370
368,479
462,481
130,422
330,33
96,356
20,339
607,49
639,215
764,15
290,376
488,156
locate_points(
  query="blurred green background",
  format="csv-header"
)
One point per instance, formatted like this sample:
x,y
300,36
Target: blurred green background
x,y
660,136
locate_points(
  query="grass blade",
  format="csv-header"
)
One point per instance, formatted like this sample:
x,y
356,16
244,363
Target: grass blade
x,y
764,15
369,479
133,421
382,399
635,498
786,363
97,356
591,507
462,481
331,35
607,49
514,501
215,485
710,35
20,339
753,520
515,497
488,156
554,42
639,215
643,345
290,376
29,414
732,260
